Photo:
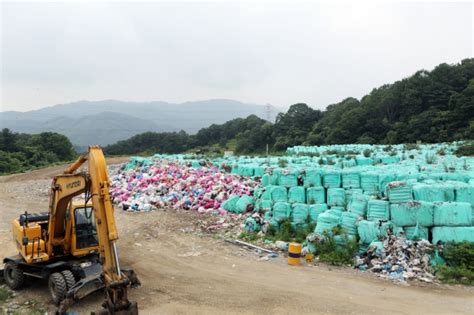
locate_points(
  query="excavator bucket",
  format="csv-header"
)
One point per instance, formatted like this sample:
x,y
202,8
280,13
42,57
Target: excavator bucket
x,y
131,310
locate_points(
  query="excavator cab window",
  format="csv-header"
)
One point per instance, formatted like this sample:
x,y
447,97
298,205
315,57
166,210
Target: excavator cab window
x,y
86,233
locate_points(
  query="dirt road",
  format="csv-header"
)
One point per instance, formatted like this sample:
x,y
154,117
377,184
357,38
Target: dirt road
x,y
186,272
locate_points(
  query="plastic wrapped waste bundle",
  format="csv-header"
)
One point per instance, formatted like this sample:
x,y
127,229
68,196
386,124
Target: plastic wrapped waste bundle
x,y
332,179
350,180
279,194
399,192
281,211
453,214
435,192
243,203
364,161
297,194
312,178
230,204
326,222
288,178
378,210
349,222
452,234
300,213
336,197
369,182
464,193
266,180
368,231
412,213
316,210
416,232
358,204
315,195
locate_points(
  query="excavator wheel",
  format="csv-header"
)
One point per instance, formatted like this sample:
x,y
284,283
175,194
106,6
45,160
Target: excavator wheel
x,y
14,277
57,287
69,278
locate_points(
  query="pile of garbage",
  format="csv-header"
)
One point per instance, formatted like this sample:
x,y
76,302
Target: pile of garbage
x,y
161,183
398,259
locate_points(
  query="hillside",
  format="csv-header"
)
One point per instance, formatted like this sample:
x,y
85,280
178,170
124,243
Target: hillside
x,y
430,106
108,121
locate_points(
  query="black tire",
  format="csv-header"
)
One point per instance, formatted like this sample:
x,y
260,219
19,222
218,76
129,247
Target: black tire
x,y
69,278
14,277
57,287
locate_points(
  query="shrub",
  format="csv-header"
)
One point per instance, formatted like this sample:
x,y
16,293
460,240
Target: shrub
x,y
441,152
430,158
367,153
459,266
337,254
465,150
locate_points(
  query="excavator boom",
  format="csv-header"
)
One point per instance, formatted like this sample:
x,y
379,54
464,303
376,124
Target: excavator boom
x,y
114,280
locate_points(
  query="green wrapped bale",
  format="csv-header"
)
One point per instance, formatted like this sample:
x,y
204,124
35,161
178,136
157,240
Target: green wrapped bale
x,y
464,193
438,192
265,180
300,213
452,214
332,179
412,213
266,205
326,222
288,178
399,192
230,204
349,222
368,231
279,194
316,210
452,234
416,232
336,197
243,203
297,194
369,182
378,210
350,180
315,195
281,211
312,178
358,204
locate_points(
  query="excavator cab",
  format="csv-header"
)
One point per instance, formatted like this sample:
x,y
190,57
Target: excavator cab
x,y
84,239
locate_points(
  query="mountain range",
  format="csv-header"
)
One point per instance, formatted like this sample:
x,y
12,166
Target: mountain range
x,y
106,122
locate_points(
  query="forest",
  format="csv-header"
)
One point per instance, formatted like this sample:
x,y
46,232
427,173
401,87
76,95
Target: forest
x,y
21,152
429,106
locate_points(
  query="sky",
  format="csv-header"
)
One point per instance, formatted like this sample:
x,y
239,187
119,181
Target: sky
x,y
279,53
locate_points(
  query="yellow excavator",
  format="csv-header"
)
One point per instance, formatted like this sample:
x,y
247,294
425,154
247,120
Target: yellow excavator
x,y
73,245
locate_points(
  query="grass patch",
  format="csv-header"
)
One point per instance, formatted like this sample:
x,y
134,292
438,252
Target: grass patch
x,y
4,295
336,248
249,237
288,233
459,266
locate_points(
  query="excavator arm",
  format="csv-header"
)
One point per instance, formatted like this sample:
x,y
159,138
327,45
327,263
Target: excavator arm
x,y
114,279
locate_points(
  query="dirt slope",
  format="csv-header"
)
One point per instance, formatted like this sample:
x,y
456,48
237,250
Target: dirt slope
x,y
186,272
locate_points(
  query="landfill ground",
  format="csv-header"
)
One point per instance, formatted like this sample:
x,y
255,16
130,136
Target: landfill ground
x,y
186,271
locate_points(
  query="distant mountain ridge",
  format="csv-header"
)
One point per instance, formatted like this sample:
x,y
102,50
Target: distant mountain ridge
x,y
105,122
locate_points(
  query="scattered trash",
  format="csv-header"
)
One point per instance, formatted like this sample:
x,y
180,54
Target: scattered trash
x,y
161,183
399,259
